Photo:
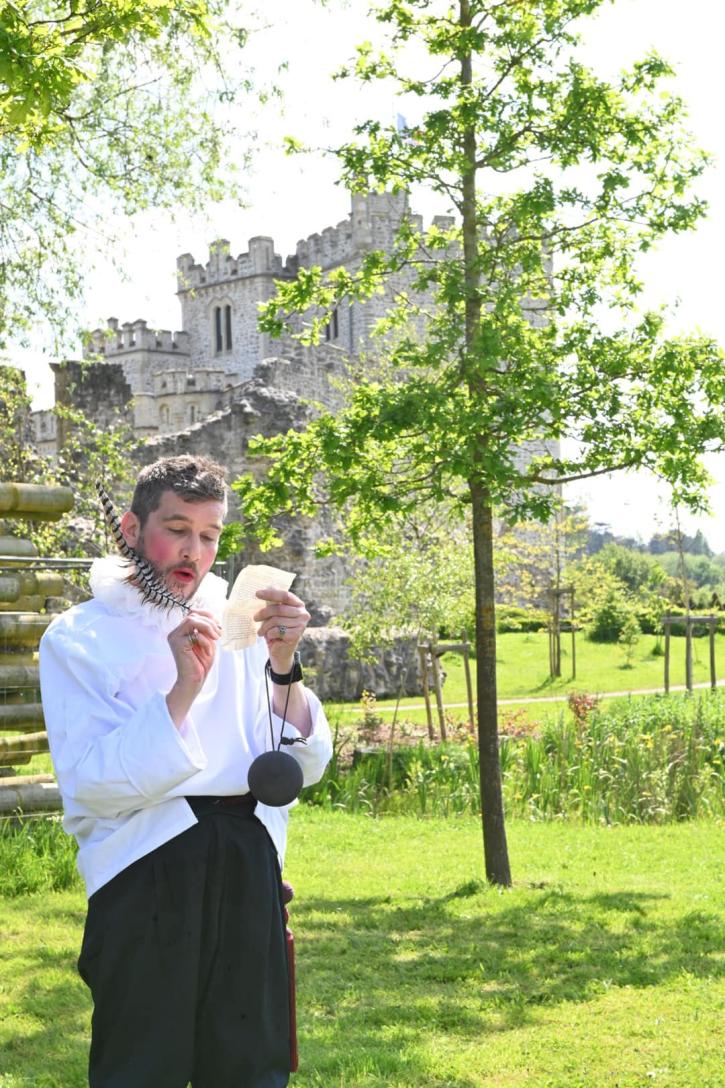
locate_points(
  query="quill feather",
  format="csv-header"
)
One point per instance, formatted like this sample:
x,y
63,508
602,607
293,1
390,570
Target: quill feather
x,y
144,577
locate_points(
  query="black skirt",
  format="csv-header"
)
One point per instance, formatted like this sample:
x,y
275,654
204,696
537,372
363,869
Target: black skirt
x,y
184,954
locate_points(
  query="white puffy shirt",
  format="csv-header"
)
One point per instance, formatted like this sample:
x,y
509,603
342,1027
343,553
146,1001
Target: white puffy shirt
x,y
122,766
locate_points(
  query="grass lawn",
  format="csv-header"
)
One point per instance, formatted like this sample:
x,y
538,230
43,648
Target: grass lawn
x,y
523,673
601,967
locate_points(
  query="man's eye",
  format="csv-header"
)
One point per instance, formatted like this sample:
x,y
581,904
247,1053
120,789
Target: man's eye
x,y
177,532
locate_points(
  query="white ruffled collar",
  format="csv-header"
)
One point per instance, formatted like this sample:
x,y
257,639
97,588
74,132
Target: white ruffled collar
x,y
109,586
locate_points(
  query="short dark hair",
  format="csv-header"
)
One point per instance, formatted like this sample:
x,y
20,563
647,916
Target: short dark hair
x,y
193,478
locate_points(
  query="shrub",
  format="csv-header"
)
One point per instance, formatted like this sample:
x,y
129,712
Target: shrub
x,y
608,616
510,618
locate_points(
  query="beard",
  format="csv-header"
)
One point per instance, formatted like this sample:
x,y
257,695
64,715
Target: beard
x,y
184,587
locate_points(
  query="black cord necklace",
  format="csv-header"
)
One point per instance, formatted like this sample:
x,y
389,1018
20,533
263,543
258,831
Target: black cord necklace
x,y
275,777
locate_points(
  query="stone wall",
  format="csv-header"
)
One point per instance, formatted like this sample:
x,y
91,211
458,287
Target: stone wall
x,y
334,677
45,431
224,436
102,393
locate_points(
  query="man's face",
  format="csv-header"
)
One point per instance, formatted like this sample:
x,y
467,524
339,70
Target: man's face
x,y
180,538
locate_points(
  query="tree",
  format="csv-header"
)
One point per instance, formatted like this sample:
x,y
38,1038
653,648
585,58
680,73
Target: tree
x,y
516,355
88,453
105,107
635,569
16,453
417,583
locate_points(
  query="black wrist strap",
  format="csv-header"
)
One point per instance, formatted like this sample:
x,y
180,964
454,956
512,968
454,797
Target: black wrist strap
x,y
285,678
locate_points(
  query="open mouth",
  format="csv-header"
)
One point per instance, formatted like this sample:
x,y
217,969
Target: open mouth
x,y
183,575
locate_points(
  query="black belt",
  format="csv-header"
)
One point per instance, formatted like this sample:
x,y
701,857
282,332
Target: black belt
x,y
242,804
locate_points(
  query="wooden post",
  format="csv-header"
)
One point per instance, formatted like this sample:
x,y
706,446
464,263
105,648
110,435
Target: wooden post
x,y
438,691
469,686
667,656
688,655
712,630
423,651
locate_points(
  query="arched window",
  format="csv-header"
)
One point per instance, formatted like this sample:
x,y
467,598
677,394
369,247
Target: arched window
x,y
222,328
332,328
164,415
192,413
227,328
218,344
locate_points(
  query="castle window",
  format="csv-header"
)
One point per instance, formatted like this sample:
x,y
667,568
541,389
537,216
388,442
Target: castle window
x,y
192,413
228,328
222,329
163,385
218,345
332,328
164,415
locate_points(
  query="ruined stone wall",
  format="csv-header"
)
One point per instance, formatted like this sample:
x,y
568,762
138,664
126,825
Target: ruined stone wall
x,y
334,675
309,372
259,409
101,392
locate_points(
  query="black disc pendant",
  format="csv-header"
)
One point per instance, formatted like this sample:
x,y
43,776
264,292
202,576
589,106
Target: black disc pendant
x,y
275,778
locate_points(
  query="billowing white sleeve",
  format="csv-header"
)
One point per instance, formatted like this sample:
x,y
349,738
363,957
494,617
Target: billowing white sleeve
x,y
312,753
109,757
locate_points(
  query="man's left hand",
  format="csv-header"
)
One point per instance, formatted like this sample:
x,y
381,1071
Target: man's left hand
x,y
283,621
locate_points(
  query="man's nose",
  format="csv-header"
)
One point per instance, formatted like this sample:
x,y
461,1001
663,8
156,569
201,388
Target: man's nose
x,y
192,547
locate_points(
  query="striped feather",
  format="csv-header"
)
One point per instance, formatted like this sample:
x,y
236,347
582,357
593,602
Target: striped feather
x,y
144,576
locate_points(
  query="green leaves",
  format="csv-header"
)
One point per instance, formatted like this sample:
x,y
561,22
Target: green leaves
x,y
498,367
104,108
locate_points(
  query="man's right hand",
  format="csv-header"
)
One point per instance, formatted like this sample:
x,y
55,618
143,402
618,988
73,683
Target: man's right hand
x,y
193,644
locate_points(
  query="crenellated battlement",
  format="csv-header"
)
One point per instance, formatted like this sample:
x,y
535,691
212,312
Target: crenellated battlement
x,y
259,260
372,222
133,336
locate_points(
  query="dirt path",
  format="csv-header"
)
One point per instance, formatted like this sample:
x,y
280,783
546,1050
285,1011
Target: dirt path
x,y
522,700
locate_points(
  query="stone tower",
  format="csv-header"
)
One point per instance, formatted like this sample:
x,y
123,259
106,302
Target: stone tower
x,y
219,381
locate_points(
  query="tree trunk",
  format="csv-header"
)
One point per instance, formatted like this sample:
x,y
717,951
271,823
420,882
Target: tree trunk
x,y
495,848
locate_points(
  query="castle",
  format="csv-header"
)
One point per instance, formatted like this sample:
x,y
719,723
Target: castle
x,y
219,381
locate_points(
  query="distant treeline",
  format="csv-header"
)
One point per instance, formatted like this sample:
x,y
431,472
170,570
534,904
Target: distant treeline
x,y
658,544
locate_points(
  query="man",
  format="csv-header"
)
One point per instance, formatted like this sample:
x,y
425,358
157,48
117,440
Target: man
x,y
152,731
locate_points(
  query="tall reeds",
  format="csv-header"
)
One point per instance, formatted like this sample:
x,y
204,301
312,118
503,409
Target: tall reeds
x,y
648,760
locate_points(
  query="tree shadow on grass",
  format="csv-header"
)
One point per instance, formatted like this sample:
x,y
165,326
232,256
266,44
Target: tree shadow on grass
x,y
394,975
382,979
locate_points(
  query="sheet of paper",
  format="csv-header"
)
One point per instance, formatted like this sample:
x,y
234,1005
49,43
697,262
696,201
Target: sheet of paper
x,y
239,630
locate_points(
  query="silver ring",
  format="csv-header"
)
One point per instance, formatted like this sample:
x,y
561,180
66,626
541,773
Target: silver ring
x,y
193,637
282,630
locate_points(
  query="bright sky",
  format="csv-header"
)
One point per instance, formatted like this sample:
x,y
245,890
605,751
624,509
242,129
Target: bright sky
x,y
291,198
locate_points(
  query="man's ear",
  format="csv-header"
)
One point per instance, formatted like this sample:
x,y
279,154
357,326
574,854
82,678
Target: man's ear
x,y
131,528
